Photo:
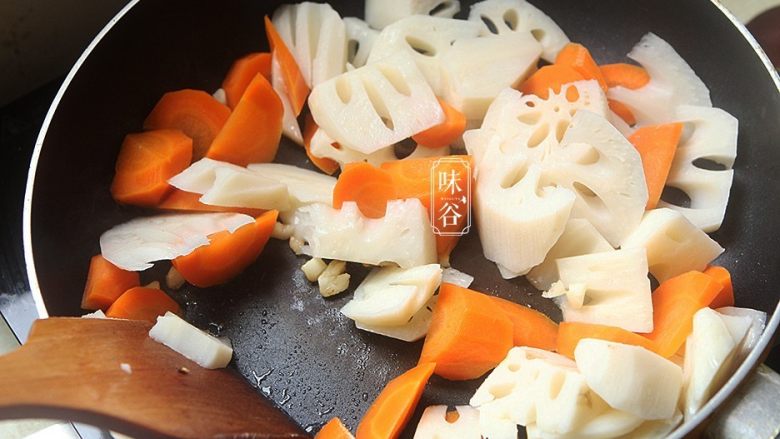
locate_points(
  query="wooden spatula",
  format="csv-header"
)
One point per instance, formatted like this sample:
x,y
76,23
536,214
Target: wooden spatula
x,y
72,368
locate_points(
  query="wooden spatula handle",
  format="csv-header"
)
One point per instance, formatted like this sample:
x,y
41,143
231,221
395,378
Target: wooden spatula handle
x,y
71,368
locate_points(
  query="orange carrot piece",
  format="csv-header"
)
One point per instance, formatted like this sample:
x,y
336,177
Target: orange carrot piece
x,y
551,77
391,410
196,113
578,58
227,254
625,75
253,130
334,429
468,336
726,296
570,333
656,146
675,302
106,282
325,165
146,162
294,83
622,111
182,201
241,74
140,303
371,188
445,133
530,327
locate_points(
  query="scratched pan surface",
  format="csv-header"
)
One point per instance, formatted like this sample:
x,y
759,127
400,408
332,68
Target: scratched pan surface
x,y
290,343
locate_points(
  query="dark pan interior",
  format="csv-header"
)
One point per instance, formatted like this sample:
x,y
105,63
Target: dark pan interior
x,y
291,344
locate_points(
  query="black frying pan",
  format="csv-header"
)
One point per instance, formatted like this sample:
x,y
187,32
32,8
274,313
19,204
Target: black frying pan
x,y
293,345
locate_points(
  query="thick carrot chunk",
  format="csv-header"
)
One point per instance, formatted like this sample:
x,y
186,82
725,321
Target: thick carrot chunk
x,y
548,78
726,296
334,429
294,83
530,327
656,146
106,282
445,133
325,165
579,58
142,303
625,75
622,111
241,74
570,333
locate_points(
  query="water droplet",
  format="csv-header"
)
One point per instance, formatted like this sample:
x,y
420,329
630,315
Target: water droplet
x,y
364,396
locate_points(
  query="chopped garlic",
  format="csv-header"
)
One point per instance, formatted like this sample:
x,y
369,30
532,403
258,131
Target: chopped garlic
x,y
200,347
313,268
220,96
333,279
296,244
173,279
282,231
575,293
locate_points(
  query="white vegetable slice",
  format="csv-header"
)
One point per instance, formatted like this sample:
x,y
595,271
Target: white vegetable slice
x,y
376,105
714,138
618,290
390,296
434,425
425,40
535,387
674,245
414,330
138,242
758,323
290,127
710,355
199,177
381,13
450,275
200,347
630,378
324,146
672,83
360,40
243,188
578,238
402,237
304,186
609,424
657,429
506,16
519,219
316,36
476,70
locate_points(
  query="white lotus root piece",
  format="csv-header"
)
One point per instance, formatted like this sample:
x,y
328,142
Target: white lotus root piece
x,y
380,13
324,146
578,238
424,39
714,138
672,83
304,186
507,16
674,245
758,323
290,127
375,106
390,296
360,40
532,387
434,424
609,424
617,289
316,36
415,329
476,70
245,189
402,237
203,348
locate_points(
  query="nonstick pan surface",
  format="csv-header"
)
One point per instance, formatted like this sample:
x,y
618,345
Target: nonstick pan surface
x,y
289,342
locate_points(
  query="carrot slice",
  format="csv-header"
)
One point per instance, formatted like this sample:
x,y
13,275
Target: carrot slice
x,y
325,165
445,133
622,111
196,113
579,58
179,200
675,302
334,429
241,74
391,410
253,130
530,327
146,162
570,333
624,75
227,254
141,303
548,78
468,336
726,296
656,145
294,83
369,187
106,282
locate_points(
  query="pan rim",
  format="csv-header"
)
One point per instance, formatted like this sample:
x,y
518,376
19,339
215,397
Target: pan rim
x,y
716,401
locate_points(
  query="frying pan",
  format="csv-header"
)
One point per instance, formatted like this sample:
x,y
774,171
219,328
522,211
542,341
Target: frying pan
x,y
290,343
